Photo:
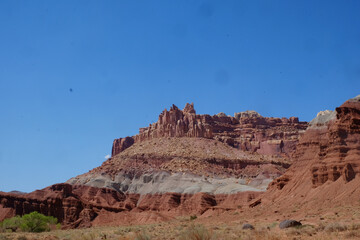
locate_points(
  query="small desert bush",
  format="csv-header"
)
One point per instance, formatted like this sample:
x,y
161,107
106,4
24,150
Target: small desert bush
x,y
21,238
32,222
84,236
353,234
354,226
273,225
306,230
335,227
196,232
193,217
142,236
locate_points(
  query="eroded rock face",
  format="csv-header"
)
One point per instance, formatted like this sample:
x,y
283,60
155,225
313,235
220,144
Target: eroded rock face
x,y
73,206
339,149
121,144
248,131
326,165
84,206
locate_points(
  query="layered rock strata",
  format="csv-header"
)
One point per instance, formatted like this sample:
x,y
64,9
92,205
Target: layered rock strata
x,y
184,165
326,167
248,131
84,206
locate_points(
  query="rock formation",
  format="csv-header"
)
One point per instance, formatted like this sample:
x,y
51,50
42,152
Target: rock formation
x,y
326,168
248,131
83,206
121,144
73,206
183,164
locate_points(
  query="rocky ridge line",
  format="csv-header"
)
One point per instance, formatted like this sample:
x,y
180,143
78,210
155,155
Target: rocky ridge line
x,y
248,131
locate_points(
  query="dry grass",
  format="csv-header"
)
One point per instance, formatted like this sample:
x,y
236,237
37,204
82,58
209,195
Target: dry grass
x,y
335,227
197,232
186,229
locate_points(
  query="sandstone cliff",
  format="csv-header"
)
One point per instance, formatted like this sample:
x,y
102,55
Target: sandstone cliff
x,y
326,167
248,131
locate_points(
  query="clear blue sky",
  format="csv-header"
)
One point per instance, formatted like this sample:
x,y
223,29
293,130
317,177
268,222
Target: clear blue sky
x,y
126,61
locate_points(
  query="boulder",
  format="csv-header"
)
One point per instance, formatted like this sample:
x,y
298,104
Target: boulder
x,y
248,226
289,223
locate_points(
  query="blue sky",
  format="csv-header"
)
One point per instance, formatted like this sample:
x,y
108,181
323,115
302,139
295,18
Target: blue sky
x,y
126,61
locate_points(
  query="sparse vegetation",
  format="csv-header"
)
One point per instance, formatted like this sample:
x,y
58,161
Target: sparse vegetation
x,y
196,232
182,228
335,227
22,238
142,236
303,230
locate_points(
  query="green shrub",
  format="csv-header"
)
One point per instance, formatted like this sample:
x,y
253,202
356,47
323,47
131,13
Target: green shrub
x,y
32,222
11,224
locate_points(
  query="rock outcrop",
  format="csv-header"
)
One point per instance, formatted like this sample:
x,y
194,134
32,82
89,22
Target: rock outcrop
x,y
121,144
248,131
73,206
184,165
83,206
326,167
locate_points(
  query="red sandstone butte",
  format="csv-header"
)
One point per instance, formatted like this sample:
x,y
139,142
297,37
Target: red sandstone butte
x,y
248,131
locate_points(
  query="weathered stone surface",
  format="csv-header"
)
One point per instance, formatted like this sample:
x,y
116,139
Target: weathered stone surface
x,y
289,223
248,226
247,114
248,131
121,144
322,119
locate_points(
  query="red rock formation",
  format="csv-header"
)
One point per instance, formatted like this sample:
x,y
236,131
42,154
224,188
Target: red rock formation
x,y
248,131
176,123
73,206
326,168
121,144
83,206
